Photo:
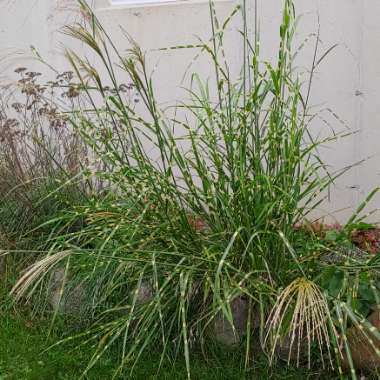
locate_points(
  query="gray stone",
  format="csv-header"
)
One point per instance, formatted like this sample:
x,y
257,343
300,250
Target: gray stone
x,y
3,267
144,293
65,297
296,351
229,335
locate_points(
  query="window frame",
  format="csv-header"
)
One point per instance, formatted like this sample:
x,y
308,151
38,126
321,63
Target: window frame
x,y
108,5
136,3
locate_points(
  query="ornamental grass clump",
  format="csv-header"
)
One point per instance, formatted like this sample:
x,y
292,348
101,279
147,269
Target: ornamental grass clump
x,y
173,239
38,149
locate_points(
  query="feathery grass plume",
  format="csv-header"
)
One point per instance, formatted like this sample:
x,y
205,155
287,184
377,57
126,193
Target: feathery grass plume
x,y
301,315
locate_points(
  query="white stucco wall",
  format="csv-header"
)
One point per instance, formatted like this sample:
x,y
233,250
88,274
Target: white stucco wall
x,y
346,84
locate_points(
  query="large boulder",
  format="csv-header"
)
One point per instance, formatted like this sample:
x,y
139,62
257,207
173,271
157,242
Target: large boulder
x,y
67,296
293,348
64,296
363,354
230,335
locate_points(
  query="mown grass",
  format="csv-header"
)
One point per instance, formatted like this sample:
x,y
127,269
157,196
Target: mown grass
x,y
23,357
23,342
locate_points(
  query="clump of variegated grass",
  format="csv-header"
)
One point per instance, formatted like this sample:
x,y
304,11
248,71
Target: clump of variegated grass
x,y
209,218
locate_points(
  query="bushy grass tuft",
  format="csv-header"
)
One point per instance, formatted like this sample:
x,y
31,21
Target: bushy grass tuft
x,y
196,212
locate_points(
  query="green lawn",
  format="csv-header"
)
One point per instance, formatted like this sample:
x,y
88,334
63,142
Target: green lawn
x,y
23,357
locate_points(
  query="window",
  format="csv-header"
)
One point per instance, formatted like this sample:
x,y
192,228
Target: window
x,y
137,2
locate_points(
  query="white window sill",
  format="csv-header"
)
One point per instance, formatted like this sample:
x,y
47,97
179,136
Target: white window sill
x,y
110,5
